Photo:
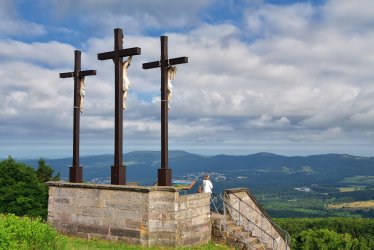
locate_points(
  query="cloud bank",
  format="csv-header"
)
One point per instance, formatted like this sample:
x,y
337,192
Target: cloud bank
x,y
298,75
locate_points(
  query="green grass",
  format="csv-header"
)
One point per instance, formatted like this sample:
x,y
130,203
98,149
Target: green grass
x,y
350,189
25,233
359,179
82,244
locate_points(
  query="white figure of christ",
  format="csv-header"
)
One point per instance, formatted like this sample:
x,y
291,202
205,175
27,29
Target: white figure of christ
x,y
172,71
82,93
126,81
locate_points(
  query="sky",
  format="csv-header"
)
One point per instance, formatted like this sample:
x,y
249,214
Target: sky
x,y
287,77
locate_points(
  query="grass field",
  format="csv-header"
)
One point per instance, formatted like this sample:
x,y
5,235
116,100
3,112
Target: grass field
x,y
353,205
350,189
359,179
82,244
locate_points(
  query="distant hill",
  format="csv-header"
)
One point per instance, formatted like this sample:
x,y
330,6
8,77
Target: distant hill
x,y
255,171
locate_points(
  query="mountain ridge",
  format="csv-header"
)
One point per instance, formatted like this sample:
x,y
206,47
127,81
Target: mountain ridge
x,y
262,167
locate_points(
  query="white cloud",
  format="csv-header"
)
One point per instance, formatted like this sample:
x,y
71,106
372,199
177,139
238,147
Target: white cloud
x,y
298,77
317,136
269,19
50,53
349,16
135,15
11,25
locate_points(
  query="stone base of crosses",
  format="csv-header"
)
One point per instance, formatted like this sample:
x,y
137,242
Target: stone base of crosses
x,y
75,174
118,175
164,176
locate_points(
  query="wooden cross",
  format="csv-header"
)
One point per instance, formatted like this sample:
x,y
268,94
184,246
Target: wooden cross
x,y
118,170
164,174
76,171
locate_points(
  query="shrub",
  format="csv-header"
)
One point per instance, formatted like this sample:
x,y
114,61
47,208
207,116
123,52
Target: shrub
x,y
25,233
324,239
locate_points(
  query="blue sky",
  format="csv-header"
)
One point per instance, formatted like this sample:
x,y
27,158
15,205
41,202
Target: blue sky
x,y
287,77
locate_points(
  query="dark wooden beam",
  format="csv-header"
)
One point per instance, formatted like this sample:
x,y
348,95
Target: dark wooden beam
x,y
82,73
76,171
174,61
118,170
121,53
164,174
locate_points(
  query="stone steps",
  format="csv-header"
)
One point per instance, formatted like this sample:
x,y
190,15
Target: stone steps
x,y
234,235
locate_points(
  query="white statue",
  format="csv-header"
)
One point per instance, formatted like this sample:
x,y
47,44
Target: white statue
x,y
82,93
172,71
126,81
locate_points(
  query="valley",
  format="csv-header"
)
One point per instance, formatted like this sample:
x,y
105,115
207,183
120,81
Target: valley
x,y
310,186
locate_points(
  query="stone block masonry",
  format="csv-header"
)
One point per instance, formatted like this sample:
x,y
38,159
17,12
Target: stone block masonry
x,y
148,216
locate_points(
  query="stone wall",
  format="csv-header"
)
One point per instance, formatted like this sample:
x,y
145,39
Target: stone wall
x,y
148,216
193,223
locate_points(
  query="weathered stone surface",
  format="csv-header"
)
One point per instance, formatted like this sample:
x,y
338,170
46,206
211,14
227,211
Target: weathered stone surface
x,y
96,211
66,192
162,206
63,217
159,196
165,239
133,224
90,202
190,241
131,241
127,214
62,200
115,222
127,205
162,216
87,219
149,216
163,226
130,233
88,193
94,229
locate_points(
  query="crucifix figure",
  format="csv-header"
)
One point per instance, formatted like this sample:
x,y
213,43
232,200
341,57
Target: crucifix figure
x,y
76,171
82,93
172,71
126,81
168,71
118,171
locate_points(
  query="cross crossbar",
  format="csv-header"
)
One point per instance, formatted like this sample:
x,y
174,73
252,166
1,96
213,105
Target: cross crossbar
x,y
78,74
121,53
174,61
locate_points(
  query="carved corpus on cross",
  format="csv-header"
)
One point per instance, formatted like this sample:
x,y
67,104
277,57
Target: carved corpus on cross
x,y
164,174
76,171
118,171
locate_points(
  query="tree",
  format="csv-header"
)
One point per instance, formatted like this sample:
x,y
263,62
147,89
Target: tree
x,y
324,239
21,192
44,172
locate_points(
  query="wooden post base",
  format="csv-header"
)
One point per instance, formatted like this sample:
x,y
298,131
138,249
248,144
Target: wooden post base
x,y
118,175
76,174
164,176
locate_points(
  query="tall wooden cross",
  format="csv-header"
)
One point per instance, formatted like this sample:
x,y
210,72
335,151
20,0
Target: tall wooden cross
x,y
118,170
164,174
76,171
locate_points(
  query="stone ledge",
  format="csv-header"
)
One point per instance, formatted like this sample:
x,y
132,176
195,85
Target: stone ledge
x,y
143,189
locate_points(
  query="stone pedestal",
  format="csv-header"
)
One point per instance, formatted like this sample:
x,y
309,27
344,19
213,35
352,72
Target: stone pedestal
x,y
148,216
